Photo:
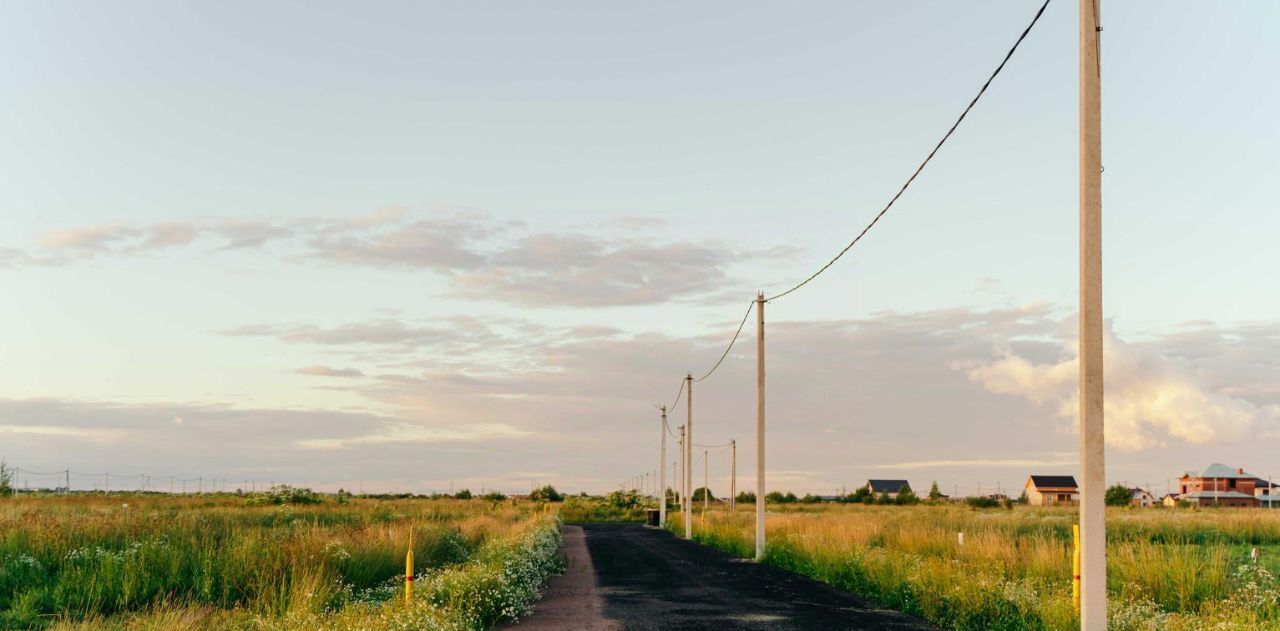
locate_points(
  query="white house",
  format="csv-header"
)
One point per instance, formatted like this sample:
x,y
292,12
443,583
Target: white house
x,y
1141,498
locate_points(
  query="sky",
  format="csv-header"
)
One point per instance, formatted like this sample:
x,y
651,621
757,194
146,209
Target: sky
x,y
404,246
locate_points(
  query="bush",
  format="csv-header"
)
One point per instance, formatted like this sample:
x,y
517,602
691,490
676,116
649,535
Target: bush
x,y
1118,495
701,491
777,497
546,493
6,479
982,502
746,497
906,497
284,494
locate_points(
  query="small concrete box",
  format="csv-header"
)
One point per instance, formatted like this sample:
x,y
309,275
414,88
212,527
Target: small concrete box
x,y
651,517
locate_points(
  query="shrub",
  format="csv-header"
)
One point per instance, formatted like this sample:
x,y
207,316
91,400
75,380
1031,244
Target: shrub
x,y
546,493
1118,495
982,502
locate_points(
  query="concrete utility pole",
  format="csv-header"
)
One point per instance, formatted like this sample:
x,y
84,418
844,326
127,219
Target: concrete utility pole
x,y
733,475
675,475
1093,551
760,426
688,445
706,487
680,497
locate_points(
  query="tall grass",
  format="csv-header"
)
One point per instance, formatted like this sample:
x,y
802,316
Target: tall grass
x,y
1166,569
142,560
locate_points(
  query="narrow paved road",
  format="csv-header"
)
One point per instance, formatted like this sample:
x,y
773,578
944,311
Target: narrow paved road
x,y
649,579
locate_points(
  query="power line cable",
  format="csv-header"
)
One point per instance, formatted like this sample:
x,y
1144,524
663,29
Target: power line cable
x,y
746,315
920,168
678,395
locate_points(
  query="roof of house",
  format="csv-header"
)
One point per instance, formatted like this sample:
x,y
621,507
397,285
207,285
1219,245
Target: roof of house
x,y
1219,471
1135,492
1054,481
1218,495
888,486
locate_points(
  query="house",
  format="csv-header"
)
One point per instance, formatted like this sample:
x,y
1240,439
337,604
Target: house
x,y
1170,500
1220,485
1052,490
881,488
1141,498
1264,487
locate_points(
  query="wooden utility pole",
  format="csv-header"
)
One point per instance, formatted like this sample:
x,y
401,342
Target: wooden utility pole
x,y
662,470
688,446
1093,551
760,426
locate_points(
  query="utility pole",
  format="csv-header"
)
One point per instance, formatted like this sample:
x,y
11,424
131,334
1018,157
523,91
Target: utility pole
x,y
760,426
662,469
706,488
67,473
688,445
675,493
106,485
733,476
1093,550
680,491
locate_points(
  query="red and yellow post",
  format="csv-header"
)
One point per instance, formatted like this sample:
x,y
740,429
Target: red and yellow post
x,y
408,570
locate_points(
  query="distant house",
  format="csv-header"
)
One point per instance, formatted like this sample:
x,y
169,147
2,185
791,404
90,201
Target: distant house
x,y
1264,487
1170,500
1220,485
881,488
1141,498
1052,490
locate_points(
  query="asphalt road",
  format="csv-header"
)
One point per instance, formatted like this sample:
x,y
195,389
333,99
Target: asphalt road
x,y
649,579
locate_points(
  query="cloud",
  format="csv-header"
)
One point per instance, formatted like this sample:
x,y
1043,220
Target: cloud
x,y
443,244
1150,397
586,271
981,462
99,435
943,394
408,433
602,265
325,371
95,238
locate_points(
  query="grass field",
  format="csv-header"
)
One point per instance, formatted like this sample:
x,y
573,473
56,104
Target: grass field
x,y
1167,569
229,562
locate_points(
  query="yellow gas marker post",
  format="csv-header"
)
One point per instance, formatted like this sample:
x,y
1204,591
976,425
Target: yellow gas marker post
x,y
408,570
1075,565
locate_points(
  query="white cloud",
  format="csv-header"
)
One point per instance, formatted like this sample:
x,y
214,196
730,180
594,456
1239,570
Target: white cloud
x,y
410,433
980,462
95,434
1150,397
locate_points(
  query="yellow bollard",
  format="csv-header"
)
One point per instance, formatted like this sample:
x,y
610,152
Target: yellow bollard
x,y
1075,565
408,570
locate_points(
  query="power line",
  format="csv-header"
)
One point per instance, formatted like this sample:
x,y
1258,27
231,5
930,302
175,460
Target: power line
x,y
927,158
678,395
713,446
750,306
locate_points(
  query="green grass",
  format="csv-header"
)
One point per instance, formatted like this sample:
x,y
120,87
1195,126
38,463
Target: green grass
x,y
1185,569
125,561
